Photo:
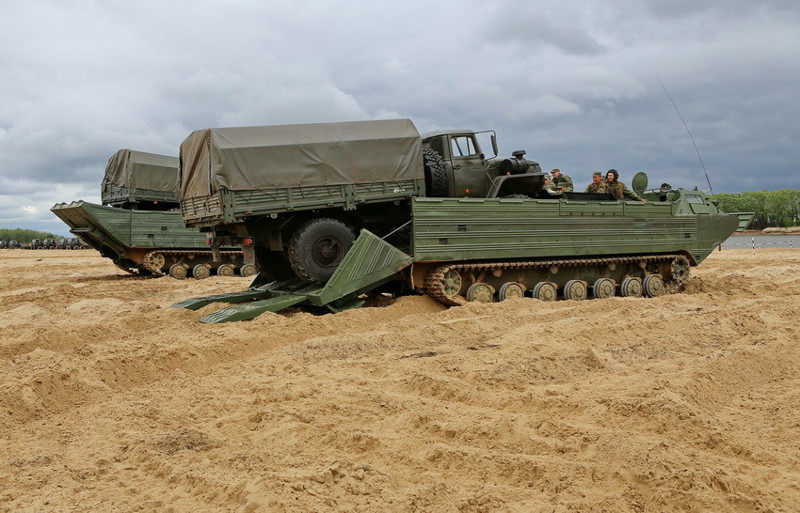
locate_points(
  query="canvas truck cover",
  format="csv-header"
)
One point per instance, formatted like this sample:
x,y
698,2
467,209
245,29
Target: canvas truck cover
x,y
140,170
266,157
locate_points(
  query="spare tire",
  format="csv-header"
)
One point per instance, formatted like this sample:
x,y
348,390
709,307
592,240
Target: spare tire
x,y
435,173
317,248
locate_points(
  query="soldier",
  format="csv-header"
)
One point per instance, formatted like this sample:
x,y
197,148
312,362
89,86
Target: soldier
x,y
549,186
598,185
617,188
562,183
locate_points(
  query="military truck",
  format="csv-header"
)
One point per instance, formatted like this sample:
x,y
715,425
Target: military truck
x,y
139,225
75,243
138,180
302,192
434,214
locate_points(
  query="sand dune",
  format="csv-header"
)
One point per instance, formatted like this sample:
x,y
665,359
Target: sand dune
x,y
112,401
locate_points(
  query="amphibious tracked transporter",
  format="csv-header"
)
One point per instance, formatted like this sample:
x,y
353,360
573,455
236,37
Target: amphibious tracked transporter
x,y
139,226
435,216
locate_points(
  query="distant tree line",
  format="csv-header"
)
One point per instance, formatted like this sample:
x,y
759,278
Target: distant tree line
x,y
22,236
773,208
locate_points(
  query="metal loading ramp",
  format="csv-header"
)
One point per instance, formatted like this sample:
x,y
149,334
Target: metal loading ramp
x,y
368,264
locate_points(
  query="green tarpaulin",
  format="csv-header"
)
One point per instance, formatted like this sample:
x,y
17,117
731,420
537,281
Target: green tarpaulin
x,y
265,157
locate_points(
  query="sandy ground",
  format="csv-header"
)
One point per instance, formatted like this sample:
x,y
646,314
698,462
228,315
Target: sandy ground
x,y
110,400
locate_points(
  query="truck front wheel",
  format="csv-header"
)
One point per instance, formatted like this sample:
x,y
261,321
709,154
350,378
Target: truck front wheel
x,y
317,247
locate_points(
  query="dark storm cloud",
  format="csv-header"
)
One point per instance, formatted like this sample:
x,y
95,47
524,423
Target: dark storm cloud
x,y
574,84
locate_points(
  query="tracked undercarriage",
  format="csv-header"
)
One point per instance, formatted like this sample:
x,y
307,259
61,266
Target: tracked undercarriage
x,y
577,279
198,264
182,264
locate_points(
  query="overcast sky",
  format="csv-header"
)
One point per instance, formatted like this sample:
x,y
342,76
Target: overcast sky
x,y
576,86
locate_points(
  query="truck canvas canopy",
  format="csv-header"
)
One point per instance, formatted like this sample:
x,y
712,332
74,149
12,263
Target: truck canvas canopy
x,y
140,170
267,157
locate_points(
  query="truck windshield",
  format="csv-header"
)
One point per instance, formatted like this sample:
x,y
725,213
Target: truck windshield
x,y
463,146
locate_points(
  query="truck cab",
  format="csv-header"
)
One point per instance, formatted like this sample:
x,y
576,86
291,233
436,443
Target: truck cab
x,y
470,173
465,161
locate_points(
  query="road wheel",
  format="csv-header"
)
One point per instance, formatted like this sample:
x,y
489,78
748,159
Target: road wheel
x,y
201,271
481,292
435,173
603,288
511,289
631,287
575,290
653,285
178,271
225,270
318,247
247,270
545,291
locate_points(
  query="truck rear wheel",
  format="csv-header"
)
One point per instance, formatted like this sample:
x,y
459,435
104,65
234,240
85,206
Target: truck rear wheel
x,y
318,247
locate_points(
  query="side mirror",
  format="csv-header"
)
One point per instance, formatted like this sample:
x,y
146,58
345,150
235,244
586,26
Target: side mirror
x,y
494,145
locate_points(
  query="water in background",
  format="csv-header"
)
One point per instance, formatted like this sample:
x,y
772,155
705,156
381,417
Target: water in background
x,y
762,241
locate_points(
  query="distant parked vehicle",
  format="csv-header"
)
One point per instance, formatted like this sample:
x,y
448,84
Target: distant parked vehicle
x,y
75,243
139,226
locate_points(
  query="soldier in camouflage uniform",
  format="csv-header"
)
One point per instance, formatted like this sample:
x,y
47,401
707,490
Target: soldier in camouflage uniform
x,y
549,186
598,185
617,188
561,182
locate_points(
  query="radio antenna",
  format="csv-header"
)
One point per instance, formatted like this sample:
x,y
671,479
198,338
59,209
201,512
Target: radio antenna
x,y
689,132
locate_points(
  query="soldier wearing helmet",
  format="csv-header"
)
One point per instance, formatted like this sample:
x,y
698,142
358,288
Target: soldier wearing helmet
x,y
617,188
